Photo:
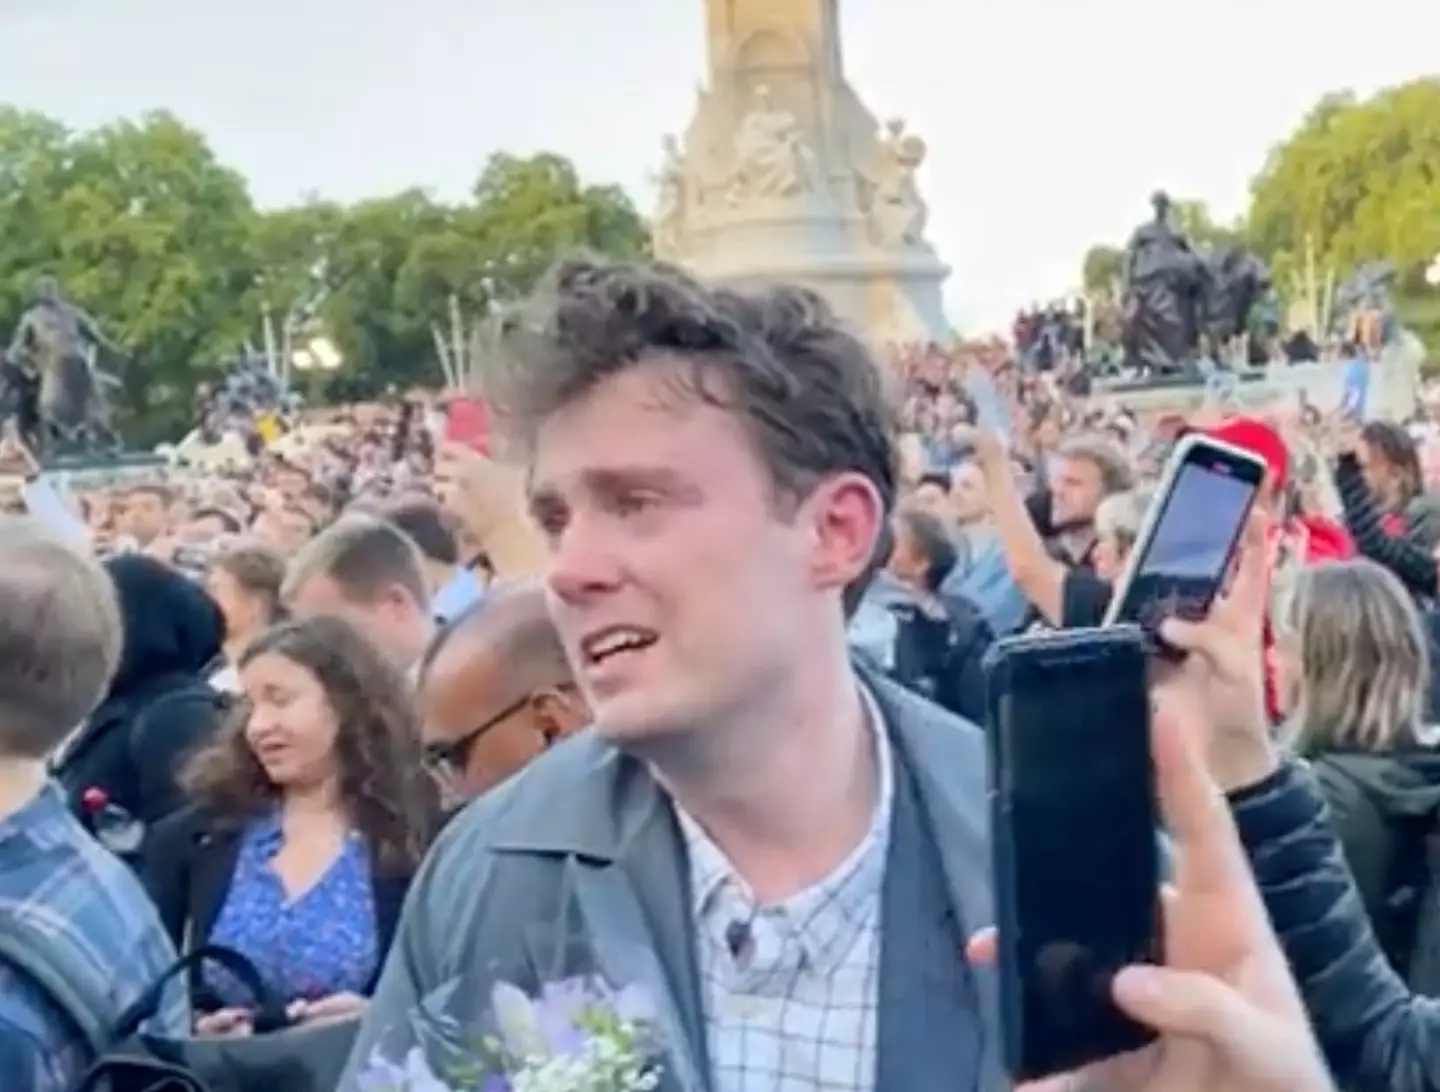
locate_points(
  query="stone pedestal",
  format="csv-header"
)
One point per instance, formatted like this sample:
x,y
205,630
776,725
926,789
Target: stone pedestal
x,y
784,174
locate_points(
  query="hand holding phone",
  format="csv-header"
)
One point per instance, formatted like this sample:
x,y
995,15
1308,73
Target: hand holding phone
x,y
1226,1009
1185,548
1075,831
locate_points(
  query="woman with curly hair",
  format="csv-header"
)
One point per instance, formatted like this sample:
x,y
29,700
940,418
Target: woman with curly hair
x,y
309,814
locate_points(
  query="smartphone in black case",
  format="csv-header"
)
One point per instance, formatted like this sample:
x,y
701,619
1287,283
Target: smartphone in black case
x,y
1074,823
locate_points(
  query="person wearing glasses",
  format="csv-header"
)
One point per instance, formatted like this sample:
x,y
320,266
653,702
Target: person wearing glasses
x,y
495,691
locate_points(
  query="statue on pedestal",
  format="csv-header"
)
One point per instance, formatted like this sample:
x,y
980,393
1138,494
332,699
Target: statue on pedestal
x,y
897,211
1166,289
674,204
771,157
50,387
1238,284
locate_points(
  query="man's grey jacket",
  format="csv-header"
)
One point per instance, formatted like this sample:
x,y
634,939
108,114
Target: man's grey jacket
x,y
577,865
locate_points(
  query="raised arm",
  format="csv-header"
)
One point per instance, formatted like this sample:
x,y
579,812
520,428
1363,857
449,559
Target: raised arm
x,y
1415,568
1040,576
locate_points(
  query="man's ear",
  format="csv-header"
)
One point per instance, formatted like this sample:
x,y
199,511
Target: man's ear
x,y
847,518
856,589
558,713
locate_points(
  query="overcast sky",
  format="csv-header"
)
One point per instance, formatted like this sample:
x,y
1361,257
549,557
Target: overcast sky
x,y
1049,121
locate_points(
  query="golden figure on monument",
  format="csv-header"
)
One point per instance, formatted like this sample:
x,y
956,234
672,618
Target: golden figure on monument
x,y
772,159
897,212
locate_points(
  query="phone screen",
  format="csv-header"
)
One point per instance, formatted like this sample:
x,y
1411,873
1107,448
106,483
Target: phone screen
x,y
467,422
1077,857
1188,555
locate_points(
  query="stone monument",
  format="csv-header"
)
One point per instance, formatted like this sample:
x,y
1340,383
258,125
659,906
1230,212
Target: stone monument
x,y
784,174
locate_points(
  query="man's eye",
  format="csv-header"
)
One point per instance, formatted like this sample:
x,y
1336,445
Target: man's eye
x,y
631,503
551,526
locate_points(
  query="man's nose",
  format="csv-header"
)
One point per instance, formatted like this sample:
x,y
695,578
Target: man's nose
x,y
584,561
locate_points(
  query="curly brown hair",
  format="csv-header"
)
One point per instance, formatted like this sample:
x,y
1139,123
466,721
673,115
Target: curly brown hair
x,y
804,386
390,798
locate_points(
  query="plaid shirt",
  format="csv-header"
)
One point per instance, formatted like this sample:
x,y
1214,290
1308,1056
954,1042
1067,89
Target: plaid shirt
x,y
63,885
796,1012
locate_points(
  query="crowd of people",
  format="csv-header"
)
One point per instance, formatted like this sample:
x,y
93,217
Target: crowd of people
x,y
703,654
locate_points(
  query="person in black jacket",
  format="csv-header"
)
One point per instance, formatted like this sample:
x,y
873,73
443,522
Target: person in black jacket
x,y
1414,565
941,640
1355,661
1374,1032
159,707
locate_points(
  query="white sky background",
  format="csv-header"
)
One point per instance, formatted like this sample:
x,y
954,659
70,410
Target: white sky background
x,y
1049,121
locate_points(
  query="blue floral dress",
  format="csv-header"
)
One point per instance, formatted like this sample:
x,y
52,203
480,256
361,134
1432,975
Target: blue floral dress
x,y
322,943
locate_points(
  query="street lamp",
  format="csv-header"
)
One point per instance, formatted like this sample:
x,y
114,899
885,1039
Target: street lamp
x,y
317,354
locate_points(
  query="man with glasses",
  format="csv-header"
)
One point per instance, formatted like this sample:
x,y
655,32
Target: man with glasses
x,y
496,690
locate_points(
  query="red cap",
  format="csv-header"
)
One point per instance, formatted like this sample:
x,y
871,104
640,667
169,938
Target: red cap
x,y
1259,438
94,800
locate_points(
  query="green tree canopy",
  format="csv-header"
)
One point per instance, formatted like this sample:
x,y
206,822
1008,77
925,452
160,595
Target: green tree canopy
x,y
1102,270
1201,228
1359,181
145,229
162,244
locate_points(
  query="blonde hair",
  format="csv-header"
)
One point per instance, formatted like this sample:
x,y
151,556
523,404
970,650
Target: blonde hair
x,y
1105,455
1364,655
364,556
1120,515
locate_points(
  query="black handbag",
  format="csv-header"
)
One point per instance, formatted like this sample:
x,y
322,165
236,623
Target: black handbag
x,y
279,1055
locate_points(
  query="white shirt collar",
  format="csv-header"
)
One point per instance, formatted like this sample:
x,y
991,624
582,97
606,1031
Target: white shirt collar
x,y
710,869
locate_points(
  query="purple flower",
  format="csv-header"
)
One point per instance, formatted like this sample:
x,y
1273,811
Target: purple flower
x,y
552,1024
558,1014
412,1075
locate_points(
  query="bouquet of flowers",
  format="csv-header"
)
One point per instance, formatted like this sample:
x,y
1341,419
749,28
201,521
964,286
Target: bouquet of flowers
x,y
574,1034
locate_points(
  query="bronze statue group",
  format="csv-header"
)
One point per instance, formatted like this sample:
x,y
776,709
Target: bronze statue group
x,y
1185,306
53,396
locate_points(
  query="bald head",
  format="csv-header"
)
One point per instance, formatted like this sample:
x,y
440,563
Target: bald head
x,y
510,625
496,688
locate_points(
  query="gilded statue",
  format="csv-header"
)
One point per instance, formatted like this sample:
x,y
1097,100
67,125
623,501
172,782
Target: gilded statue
x,y
771,156
897,211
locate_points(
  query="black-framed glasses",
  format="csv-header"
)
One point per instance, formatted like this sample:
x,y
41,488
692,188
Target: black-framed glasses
x,y
452,756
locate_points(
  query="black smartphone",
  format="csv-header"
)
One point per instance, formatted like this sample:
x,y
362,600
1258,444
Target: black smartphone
x,y
1075,831
1186,546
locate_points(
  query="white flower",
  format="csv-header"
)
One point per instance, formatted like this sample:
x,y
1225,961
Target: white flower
x,y
519,1026
604,1066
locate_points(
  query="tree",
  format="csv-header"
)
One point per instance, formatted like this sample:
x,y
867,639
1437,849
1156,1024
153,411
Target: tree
x,y
33,151
1103,268
1193,218
145,229
290,251
1359,179
161,243
385,343
529,210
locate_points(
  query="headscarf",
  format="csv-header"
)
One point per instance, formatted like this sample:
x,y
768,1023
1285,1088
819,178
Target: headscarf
x,y
172,626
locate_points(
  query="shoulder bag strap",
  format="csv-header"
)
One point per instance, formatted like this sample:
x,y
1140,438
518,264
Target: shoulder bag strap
x,y
269,1011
